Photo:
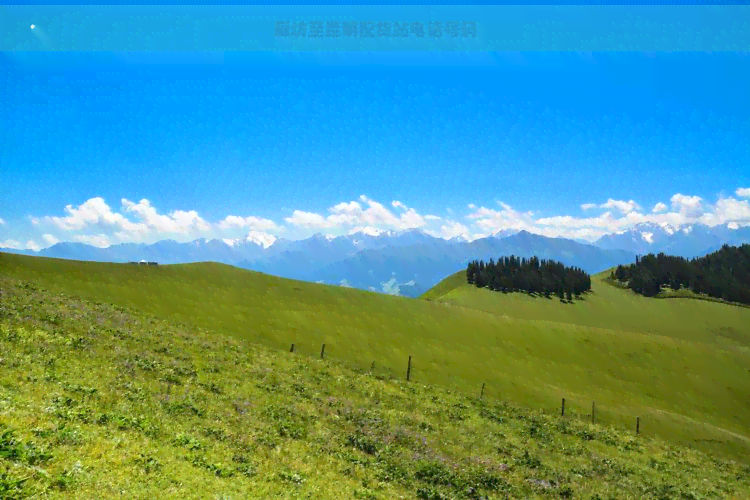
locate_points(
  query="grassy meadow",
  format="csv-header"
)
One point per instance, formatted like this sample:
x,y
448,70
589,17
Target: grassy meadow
x,y
682,365
103,401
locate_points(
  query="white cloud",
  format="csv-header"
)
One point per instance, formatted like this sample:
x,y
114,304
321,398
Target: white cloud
x,y
97,240
32,245
367,216
14,244
308,220
688,206
624,207
49,239
472,206
177,222
17,245
490,221
2,222
93,212
659,207
451,229
741,192
728,210
254,223
353,214
261,238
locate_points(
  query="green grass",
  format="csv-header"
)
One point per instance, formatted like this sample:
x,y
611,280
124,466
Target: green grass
x,y
101,401
682,365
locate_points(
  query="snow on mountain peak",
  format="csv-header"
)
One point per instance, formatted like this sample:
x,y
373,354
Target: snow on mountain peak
x,y
370,231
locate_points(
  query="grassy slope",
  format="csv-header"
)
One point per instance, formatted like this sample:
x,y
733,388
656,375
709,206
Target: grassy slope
x,y
681,365
98,401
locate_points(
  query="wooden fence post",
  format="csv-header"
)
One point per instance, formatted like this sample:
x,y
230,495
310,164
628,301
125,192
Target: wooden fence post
x,y
322,351
292,349
563,407
593,412
481,394
637,425
408,370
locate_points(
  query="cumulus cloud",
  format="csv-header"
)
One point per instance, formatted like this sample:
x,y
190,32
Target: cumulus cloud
x,y
253,223
103,226
261,238
659,207
451,229
624,207
93,212
491,221
685,210
355,214
14,244
308,220
96,214
728,210
33,245
2,222
689,206
621,206
177,222
49,239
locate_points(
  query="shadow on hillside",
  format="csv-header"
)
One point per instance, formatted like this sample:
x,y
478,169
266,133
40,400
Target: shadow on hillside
x,y
576,298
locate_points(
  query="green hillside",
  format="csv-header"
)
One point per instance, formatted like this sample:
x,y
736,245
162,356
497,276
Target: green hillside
x,y
101,401
679,364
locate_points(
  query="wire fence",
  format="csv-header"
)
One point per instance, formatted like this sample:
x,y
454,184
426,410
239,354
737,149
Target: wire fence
x,y
481,391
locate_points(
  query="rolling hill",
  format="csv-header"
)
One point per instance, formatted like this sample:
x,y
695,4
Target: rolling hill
x,y
103,401
404,263
681,365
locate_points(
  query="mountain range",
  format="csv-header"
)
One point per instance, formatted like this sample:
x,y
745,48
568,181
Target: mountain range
x,y
410,262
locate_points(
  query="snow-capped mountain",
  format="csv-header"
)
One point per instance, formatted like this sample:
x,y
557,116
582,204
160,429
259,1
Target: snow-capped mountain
x,y
690,240
408,262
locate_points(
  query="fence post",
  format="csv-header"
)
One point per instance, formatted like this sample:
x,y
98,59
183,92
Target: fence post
x,y
408,370
563,407
292,349
593,412
481,394
637,425
322,351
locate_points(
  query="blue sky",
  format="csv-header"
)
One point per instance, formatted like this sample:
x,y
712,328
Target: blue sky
x,y
142,147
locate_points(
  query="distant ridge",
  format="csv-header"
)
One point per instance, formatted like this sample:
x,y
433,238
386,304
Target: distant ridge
x,y
409,262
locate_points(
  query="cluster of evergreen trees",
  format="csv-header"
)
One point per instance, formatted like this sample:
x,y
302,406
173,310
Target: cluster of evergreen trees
x,y
511,274
724,274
